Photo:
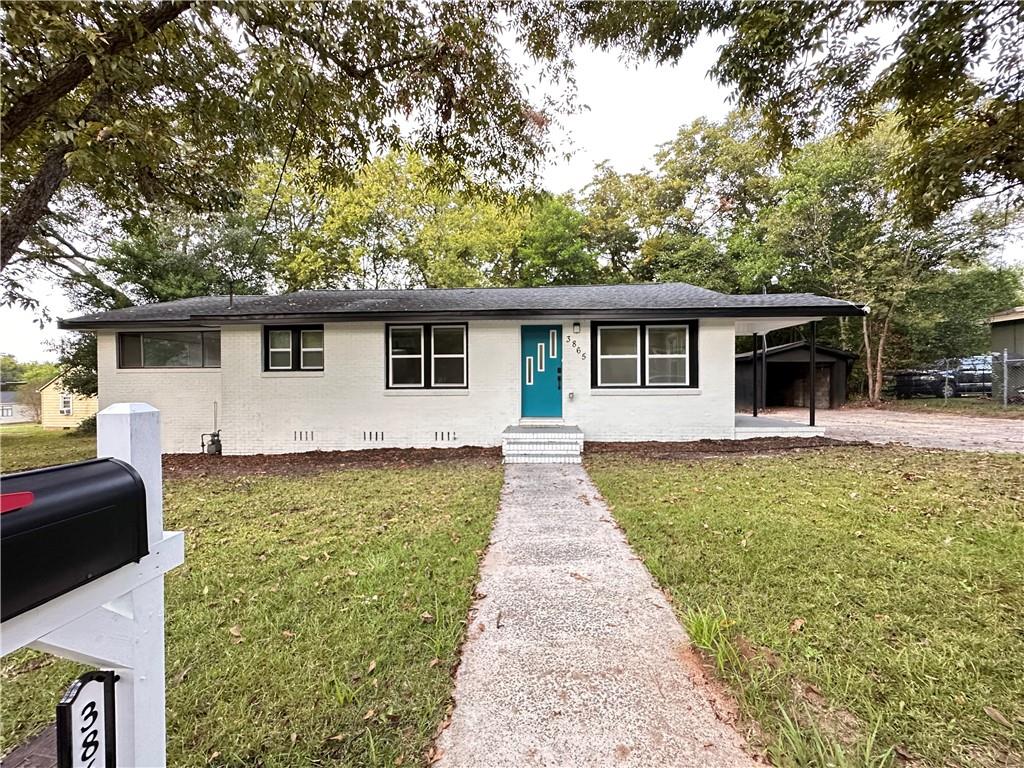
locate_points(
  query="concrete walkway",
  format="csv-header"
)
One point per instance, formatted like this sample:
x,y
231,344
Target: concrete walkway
x,y
573,657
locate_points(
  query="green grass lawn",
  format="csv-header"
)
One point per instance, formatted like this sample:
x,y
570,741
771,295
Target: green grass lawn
x,y
967,406
860,591
26,446
316,620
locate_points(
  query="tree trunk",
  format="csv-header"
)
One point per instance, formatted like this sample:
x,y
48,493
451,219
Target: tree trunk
x,y
880,358
868,362
29,106
33,202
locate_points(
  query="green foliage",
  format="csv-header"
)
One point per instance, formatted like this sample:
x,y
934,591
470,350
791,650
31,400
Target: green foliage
x,y
11,369
86,427
552,249
951,72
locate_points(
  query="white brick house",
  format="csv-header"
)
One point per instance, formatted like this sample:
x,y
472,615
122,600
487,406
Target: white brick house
x,y
341,370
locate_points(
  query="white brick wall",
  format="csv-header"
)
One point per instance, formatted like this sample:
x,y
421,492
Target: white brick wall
x,y
266,412
184,396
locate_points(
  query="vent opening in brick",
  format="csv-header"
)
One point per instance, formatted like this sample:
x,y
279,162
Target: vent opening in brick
x,y
303,436
447,436
373,437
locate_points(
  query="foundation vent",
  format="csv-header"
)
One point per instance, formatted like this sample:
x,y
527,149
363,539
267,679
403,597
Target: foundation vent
x,y
447,436
373,437
303,436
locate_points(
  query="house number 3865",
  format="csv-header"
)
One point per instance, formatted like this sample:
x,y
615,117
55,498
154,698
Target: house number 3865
x,y
570,343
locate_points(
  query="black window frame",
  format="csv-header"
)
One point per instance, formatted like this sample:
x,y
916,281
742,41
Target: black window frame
x,y
296,347
427,329
203,332
692,352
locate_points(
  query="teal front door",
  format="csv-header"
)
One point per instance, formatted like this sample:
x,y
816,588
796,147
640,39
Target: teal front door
x,y
541,371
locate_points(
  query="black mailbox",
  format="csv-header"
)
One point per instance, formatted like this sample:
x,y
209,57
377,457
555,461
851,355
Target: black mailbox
x,y
62,527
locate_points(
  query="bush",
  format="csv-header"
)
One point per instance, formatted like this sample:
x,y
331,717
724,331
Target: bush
x,y
85,427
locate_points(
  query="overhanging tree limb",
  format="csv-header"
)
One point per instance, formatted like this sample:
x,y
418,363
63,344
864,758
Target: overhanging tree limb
x,y
30,105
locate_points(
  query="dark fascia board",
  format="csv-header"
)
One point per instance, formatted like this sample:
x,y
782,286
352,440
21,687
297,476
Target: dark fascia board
x,y
808,311
795,345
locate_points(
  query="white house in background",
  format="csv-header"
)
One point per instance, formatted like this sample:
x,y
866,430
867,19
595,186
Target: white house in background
x,y
534,369
11,410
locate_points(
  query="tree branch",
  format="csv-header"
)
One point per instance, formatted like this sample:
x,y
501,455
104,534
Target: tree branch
x,y
30,105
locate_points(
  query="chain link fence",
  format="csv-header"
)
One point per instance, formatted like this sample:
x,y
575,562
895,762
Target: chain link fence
x,y
1008,378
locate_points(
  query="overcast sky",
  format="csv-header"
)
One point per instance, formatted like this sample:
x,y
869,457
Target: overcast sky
x,y
631,111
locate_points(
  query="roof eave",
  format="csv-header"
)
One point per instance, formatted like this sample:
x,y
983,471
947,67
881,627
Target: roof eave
x,y
808,311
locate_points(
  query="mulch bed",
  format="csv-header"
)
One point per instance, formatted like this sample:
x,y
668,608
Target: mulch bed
x,y
184,465
699,448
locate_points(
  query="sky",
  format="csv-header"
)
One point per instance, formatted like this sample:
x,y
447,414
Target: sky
x,y
631,111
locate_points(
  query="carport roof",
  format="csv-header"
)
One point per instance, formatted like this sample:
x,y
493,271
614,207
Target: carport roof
x,y
578,300
780,348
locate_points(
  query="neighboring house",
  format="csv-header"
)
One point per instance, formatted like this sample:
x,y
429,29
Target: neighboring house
x,y
60,408
783,376
339,370
1008,331
12,411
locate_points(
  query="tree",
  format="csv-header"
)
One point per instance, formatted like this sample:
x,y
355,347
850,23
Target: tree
x,y
552,250
952,72
11,369
836,230
132,106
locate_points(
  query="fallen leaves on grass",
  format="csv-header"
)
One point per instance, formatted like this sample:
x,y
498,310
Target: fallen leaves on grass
x,y
797,625
427,617
236,634
998,716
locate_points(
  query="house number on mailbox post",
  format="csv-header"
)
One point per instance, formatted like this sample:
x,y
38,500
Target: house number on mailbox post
x,y
85,723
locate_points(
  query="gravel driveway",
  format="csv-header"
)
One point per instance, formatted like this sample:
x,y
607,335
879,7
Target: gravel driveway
x,y
924,430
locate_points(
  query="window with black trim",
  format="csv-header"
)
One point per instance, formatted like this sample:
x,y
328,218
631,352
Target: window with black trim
x,y
426,356
633,354
169,349
293,348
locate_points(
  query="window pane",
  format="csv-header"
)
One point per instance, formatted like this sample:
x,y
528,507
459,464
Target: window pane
x,y
211,349
618,341
172,350
281,359
666,370
618,371
280,339
666,341
449,341
405,341
406,370
449,370
131,350
313,359
312,339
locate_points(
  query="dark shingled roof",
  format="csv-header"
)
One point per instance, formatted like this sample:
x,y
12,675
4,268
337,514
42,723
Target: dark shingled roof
x,y
579,300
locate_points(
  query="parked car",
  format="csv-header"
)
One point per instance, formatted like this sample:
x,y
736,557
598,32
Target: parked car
x,y
946,378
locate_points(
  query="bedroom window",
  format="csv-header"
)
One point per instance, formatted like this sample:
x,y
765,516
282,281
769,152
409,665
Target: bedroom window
x,y
406,356
657,354
65,404
427,356
618,356
667,347
293,348
169,349
448,356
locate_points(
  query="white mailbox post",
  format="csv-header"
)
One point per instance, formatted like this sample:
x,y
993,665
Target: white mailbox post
x,y
117,621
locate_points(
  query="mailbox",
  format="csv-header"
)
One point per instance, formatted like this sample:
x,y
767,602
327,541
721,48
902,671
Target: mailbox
x,y
62,527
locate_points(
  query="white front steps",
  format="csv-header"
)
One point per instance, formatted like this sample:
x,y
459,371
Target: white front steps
x,y
548,444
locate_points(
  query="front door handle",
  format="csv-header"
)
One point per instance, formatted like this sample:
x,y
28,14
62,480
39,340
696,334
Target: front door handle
x,y
559,378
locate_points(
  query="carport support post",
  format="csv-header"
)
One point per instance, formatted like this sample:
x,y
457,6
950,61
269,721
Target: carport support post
x,y
811,383
131,432
754,389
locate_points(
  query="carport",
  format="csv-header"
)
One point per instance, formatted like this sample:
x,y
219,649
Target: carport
x,y
783,373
